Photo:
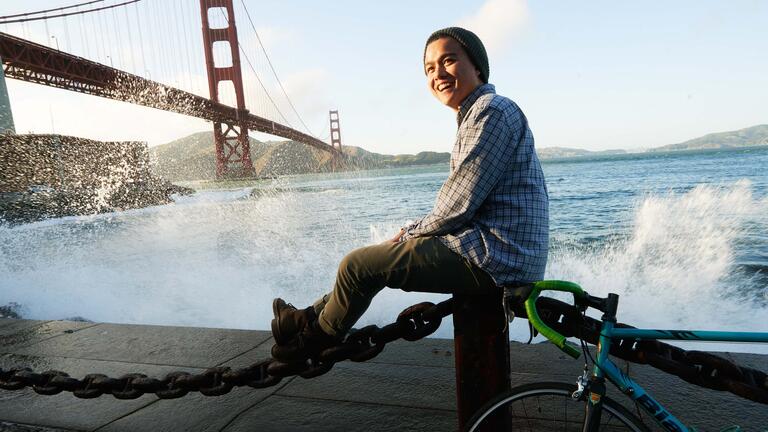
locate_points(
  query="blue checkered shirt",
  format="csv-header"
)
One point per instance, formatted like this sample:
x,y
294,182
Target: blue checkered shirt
x,y
494,208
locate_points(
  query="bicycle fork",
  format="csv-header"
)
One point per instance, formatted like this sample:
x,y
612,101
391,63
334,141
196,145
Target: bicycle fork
x,y
595,384
591,389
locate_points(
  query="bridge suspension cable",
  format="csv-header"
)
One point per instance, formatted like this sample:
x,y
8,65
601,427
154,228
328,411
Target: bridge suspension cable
x,y
264,50
45,17
256,74
50,10
261,83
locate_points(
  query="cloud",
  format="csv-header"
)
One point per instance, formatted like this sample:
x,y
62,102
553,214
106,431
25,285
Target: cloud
x,y
308,90
498,22
271,37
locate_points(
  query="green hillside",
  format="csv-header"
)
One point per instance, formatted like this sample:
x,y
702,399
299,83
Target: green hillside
x,y
192,158
747,137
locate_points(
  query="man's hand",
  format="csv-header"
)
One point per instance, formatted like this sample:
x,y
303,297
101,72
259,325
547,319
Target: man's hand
x,y
396,239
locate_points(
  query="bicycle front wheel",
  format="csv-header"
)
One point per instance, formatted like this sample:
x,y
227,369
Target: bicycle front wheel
x,y
549,407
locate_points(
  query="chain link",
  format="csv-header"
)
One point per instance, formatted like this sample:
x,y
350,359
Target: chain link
x,y
420,320
413,323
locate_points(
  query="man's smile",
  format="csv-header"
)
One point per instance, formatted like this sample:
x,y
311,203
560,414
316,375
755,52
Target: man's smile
x,y
444,86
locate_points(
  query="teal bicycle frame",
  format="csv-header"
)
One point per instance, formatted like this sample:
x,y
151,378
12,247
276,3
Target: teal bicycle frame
x,y
605,368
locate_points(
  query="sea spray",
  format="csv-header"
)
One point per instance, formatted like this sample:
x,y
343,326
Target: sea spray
x,y
215,259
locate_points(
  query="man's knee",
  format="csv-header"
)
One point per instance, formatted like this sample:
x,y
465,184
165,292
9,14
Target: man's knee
x,y
365,264
353,268
351,263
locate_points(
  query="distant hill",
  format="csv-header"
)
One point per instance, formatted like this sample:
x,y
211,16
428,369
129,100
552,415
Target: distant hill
x,y
192,158
747,137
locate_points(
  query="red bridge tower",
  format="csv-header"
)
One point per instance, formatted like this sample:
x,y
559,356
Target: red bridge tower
x,y
233,151
335,131
336,160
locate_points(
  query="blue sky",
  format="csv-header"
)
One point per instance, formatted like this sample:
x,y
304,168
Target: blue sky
x,y
594,75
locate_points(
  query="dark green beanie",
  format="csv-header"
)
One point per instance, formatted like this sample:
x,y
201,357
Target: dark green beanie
x,y
471,44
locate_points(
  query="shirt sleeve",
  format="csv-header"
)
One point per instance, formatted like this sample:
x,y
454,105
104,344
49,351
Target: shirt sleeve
x,y
489,146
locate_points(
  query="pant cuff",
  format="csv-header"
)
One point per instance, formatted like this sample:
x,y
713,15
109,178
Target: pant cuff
x,y
326,327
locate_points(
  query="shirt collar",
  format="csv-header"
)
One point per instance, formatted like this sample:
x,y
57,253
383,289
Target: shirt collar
x,y
467,103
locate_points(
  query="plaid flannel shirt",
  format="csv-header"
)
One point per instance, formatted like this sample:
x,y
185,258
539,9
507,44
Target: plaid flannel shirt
x,y
493,209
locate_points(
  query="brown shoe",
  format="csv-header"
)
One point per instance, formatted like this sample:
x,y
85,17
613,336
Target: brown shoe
x,y
289,321
307,344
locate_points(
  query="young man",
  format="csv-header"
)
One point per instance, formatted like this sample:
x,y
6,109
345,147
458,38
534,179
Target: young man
x,y
488,228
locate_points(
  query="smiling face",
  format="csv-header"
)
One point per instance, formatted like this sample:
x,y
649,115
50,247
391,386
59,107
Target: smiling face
x,y
451,76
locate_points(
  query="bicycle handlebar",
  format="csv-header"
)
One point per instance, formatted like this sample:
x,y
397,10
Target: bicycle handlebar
x,y
533,316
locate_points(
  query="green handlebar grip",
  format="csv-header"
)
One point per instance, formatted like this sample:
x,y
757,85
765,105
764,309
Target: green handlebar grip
x,y
533,316
570,350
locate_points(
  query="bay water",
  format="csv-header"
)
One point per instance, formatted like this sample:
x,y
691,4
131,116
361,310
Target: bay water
x,y
682,237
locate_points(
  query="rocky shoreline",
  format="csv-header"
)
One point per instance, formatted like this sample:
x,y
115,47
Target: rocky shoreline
x,y
50,176
38,204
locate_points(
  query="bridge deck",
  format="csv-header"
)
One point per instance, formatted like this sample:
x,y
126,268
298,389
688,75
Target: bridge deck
x,y
409,387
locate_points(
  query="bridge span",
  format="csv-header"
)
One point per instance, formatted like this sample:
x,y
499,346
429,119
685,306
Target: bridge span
x,y
31,62
41,64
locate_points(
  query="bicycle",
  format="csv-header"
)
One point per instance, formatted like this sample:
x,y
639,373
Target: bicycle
x,y
584,406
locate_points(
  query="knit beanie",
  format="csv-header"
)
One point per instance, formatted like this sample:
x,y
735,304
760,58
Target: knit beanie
x,y
471,44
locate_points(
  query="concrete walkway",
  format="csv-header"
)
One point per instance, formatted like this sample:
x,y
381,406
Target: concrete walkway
x,y
408,387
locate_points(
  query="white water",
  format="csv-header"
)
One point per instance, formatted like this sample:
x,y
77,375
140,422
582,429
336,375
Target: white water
x,y
674,269
216,259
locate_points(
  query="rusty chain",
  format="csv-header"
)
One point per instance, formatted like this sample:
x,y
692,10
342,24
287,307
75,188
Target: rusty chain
x,y
412,324
696,367
420,320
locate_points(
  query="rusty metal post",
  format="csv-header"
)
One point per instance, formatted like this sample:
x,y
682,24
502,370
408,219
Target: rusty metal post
x,y
481,343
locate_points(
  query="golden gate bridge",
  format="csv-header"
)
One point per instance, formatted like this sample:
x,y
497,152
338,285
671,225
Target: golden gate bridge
x,y
101,26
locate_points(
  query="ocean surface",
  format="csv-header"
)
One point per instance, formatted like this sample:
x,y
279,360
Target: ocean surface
x,y
682,237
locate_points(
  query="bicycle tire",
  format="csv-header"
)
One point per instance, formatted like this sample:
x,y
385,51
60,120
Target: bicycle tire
x,y
565,413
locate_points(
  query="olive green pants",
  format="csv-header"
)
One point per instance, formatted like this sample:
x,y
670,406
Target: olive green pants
x,y
420,264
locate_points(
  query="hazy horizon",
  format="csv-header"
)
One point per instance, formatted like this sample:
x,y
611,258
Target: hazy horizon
x,y
627,149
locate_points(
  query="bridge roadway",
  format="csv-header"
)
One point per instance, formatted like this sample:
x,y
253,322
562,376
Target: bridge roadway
x,y
408,387
32,62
